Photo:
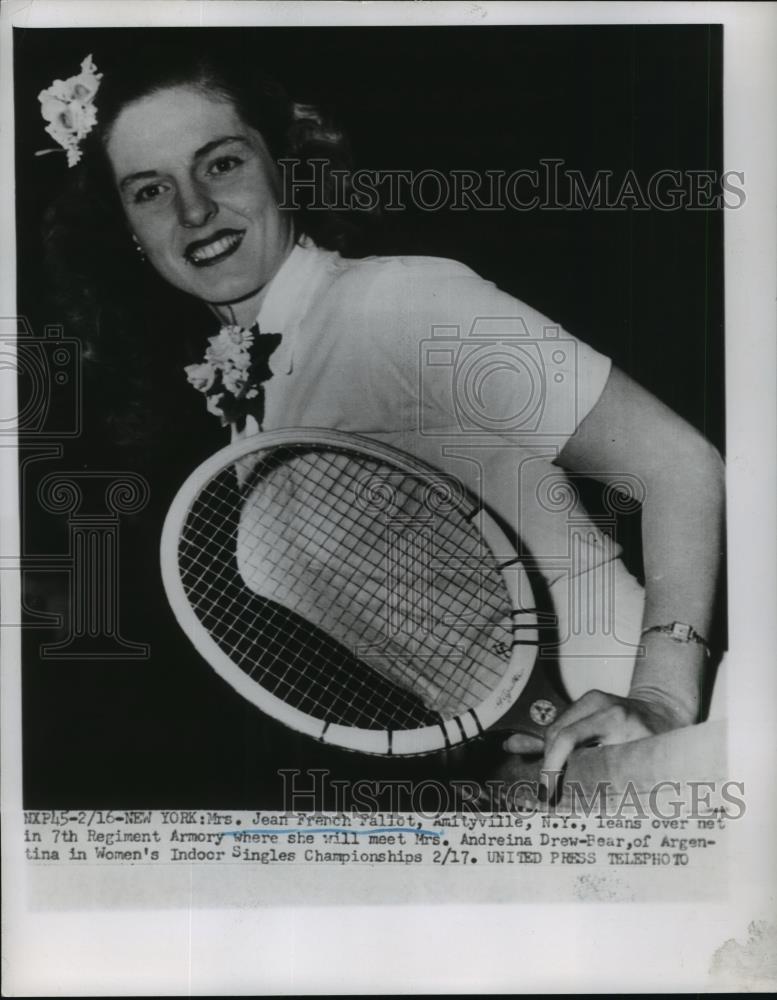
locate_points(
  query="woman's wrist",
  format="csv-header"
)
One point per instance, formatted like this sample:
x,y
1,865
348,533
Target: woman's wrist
x,y
667,680
658,713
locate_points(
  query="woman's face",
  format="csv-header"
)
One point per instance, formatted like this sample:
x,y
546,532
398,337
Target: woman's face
x,y
200,192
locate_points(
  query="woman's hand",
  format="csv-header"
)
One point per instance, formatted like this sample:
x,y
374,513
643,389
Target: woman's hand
x,y
595,718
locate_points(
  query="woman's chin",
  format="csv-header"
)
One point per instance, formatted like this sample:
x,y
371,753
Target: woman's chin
x,y
224,293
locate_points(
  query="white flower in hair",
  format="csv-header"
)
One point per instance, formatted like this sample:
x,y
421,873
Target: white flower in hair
x,y
68,107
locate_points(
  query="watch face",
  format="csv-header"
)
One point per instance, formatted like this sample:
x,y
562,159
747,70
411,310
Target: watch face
x,y
681,632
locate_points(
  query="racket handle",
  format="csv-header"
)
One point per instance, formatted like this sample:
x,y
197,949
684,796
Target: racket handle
x,y
483,758
539,704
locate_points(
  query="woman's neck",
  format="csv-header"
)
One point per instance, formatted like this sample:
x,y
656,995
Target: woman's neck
x,y
241,312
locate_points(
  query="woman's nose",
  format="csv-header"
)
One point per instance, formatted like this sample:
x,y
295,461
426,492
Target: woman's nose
x,y
195,207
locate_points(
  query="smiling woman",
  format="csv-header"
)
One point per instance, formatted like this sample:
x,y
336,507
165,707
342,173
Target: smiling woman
x,y
201,196
177,189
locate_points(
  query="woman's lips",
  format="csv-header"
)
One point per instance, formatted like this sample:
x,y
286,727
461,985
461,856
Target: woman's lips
x,y
206,253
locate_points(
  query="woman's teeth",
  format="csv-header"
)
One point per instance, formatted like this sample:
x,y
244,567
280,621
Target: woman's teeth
x,y
215,249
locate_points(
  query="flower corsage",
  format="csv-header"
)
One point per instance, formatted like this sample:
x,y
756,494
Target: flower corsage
x,y
231,374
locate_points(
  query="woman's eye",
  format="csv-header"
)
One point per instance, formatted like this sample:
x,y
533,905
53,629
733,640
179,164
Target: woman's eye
x,y
224,165
147,193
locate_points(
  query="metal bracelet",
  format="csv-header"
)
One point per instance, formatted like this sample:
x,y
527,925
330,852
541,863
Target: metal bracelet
x,y
679,632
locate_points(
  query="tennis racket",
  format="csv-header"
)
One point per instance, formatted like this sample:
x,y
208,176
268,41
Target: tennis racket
x,y
350,591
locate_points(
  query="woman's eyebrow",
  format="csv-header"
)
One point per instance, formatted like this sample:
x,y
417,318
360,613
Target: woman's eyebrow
x,y
198,154
142,175
215,143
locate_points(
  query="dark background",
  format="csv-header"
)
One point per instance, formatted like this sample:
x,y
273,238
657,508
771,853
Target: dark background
x,y
644,287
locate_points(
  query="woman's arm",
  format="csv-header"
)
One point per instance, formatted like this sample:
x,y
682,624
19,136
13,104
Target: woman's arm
x,y
630,431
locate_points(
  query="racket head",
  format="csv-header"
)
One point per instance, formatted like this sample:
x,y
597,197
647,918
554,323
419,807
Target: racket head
x,y
238,610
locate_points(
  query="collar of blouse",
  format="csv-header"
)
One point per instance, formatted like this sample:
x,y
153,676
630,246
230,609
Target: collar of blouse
x,y
288,298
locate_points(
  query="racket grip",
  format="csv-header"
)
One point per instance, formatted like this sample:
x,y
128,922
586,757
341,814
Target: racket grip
x,y
538,705
484,759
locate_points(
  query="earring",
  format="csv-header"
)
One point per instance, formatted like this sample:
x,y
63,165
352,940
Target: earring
x,y
138,247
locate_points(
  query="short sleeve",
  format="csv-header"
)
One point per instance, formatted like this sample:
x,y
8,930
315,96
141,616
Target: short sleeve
x,y
480,361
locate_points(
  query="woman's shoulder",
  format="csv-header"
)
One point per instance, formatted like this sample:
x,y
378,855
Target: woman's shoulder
x,y
413,284
395,300
404,268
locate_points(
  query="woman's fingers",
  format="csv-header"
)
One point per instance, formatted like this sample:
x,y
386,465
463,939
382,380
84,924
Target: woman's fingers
x,y
611,724
590,702
595,717
524,743
587,704
565,742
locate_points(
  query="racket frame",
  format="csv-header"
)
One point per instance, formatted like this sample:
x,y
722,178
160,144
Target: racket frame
x,y
408,742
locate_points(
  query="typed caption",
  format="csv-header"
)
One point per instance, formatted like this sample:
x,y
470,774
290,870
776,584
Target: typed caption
x,y
175,837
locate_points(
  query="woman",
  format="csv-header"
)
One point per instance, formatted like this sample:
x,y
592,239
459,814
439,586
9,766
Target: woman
x,y
179,181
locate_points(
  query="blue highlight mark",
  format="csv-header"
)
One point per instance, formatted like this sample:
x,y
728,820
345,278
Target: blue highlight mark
x,y
336,829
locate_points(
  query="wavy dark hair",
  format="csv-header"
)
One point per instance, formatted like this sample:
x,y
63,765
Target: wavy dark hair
x,y
137,330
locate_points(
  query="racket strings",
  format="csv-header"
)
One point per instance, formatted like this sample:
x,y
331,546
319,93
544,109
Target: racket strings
x,y
291,659
333,582
430,659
